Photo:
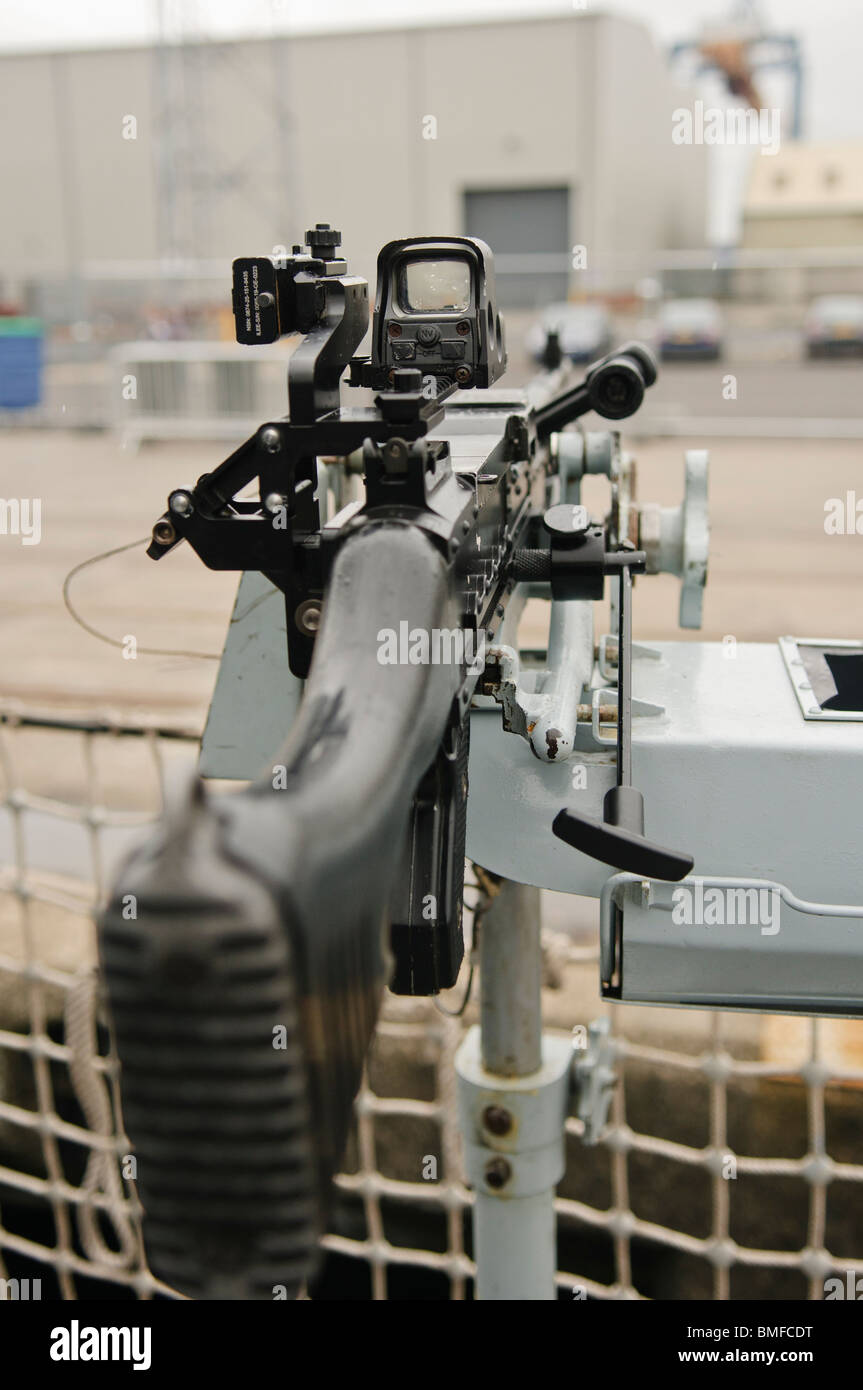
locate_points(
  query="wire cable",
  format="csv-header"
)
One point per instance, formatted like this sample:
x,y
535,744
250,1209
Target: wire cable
x,y
104,636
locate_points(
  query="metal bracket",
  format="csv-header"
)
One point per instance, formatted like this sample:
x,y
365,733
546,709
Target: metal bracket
x,y
601,699
608,649
676,540
513,1126
548,717
728,943
594,1079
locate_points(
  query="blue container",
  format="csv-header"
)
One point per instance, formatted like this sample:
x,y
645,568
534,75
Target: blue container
x,y
20,362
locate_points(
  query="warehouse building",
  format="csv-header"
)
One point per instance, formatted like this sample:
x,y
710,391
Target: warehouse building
x,y
803,209
810,194
540,135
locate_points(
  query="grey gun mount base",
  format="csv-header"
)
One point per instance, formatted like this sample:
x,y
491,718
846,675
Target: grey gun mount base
x,y
772,919
245,988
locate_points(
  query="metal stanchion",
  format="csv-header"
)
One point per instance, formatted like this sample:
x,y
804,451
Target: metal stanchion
x,y
513,1099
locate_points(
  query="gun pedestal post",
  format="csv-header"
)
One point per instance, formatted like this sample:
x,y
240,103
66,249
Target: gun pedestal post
x,y
514,1089
510,971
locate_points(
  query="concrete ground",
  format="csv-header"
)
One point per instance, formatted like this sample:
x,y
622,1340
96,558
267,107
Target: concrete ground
x,y
773,569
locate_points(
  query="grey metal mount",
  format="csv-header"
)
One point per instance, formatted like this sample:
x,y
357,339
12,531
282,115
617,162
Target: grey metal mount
x,y
730,942
546,707
514,1091
579,452
548,715
676,539
594,1079
607,654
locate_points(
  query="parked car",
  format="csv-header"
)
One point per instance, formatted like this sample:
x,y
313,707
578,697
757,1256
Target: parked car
x,y
834,325
584,331
690,328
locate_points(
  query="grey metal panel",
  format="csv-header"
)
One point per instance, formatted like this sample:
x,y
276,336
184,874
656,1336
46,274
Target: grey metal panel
x,y
732,773
518,222
256,696
779,959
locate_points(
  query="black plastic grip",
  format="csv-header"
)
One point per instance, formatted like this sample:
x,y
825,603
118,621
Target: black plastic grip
x,y
619,840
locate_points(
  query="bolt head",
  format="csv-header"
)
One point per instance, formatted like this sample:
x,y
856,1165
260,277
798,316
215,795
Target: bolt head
x,y
274,501
180,503
271,439
308,617
164,533
395,455
497,1173
497,1119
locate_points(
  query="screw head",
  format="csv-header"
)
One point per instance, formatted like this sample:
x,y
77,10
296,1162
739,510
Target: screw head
x,y
274,501
271,439
497,1119
395,456
463,375
308,616
497,1173
164,533
180,503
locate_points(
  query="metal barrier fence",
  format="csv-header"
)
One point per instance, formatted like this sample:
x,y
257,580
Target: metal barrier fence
x,y
69,1215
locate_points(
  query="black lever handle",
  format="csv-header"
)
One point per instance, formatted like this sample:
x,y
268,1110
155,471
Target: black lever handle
x,y
614,387
618,839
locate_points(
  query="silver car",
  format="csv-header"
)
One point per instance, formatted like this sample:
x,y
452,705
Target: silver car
x,y
690,328
834,325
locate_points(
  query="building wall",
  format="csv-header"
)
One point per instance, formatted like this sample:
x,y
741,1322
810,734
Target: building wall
x,y
650,193
805,231
260,139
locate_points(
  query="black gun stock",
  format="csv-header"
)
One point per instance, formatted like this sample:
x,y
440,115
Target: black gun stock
x,y
245,990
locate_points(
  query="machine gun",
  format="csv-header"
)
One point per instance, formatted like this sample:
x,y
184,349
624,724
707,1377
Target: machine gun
x,y
244,989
